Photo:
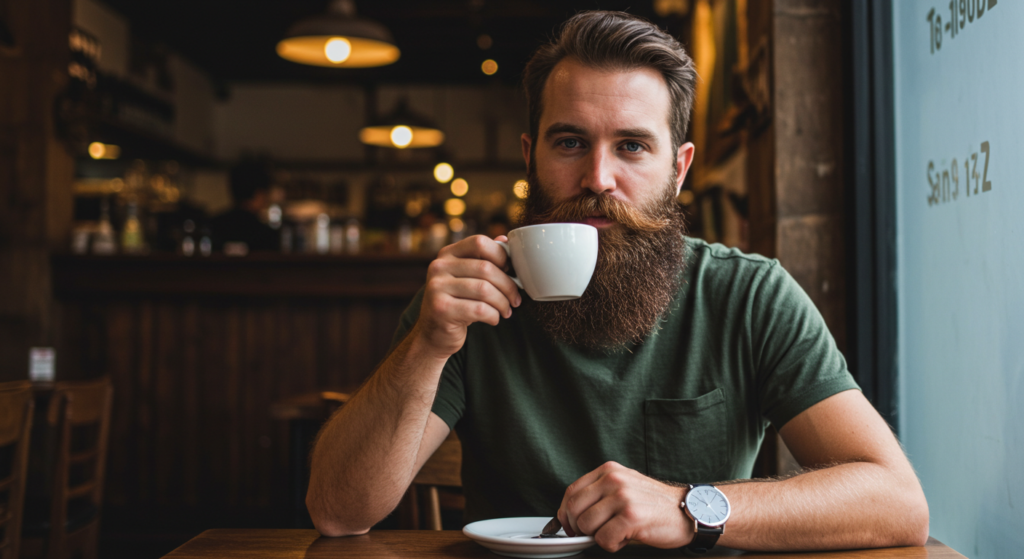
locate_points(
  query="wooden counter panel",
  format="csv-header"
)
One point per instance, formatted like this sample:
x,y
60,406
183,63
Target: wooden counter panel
x,y
195,375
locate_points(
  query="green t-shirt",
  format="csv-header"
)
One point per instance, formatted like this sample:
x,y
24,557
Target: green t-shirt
x,y
741,346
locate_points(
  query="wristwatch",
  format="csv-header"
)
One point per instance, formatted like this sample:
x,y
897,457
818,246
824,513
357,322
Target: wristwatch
x,y
709,509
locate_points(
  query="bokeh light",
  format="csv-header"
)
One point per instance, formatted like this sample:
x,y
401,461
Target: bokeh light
x,y
489,67
454,206
99,150
337,50
460,187
520,189
401,136
443,172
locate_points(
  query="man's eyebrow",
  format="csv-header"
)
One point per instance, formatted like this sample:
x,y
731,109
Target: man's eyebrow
x,y
567,128
563,128
639,133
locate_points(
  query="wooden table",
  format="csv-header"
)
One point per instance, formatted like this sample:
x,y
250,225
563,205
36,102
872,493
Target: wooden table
x,y
396,544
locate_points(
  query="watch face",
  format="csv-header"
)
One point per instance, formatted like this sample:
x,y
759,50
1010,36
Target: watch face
x,y
707,505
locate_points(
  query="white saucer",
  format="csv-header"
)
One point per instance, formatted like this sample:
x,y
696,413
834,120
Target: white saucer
x,y
514,537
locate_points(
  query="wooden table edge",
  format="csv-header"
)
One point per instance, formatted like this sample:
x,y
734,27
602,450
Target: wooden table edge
x,y
211,543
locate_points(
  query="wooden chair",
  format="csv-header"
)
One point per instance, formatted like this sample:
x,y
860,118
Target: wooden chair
x,y
79,414
443,469
16,408
306,414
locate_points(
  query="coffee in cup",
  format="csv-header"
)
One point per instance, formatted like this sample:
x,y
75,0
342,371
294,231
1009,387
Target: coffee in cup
x,y
553,261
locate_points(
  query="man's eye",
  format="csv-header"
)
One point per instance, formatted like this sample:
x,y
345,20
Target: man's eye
x,y
570,143
633,146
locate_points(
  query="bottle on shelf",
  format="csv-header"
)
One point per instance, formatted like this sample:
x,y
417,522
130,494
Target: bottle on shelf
x,y
405,237
322,233
103,242
352,236
132,241
205,243
188,242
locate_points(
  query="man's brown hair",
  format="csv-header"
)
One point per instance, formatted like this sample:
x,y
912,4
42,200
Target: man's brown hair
x,y
616,41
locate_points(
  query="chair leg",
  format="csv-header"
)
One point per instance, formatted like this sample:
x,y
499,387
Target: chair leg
x,y
92,541
433,508
408,510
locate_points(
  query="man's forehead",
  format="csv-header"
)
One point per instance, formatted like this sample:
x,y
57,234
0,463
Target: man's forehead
x,y
631,95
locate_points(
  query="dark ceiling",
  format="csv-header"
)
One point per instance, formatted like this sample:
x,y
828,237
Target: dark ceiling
x,y
234,40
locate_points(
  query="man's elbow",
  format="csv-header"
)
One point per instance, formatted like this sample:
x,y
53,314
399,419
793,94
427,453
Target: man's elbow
x,y
329,525
915,528
921,526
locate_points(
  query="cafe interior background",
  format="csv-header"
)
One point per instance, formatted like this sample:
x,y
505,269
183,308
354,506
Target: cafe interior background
x,y
120,121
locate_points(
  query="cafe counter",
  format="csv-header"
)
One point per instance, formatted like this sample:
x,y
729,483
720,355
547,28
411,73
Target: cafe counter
x,y
200,348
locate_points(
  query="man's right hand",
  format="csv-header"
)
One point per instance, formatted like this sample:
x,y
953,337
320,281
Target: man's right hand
x,y
465,284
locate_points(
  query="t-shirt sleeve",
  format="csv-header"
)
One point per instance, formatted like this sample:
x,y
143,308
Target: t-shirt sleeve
x,y
796,356
450,401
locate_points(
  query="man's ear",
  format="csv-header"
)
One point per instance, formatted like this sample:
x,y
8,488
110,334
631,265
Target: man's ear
x,y
527,142
684,158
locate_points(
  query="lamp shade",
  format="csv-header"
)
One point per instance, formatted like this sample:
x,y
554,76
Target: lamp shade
x,y
338,39
401,129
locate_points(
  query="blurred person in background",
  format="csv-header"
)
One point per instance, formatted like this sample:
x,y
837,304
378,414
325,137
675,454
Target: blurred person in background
x,y
242,224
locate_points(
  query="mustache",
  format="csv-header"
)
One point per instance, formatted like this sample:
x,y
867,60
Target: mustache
x,y
590,204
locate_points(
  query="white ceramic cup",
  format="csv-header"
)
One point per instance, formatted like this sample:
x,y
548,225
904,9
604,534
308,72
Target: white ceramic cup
x,y
553,261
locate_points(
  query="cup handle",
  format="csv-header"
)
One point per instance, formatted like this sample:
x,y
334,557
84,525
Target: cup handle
x,y
508,251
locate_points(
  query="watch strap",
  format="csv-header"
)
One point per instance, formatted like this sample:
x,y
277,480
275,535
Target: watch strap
x,y
704,538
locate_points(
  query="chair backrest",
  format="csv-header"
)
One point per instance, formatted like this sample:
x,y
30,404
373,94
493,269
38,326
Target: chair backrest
x,y
442,469
80,413
16,407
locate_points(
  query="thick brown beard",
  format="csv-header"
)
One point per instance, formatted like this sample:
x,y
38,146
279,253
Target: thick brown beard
x,y
639,267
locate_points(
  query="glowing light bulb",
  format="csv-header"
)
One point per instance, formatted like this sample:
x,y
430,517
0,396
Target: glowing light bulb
x,y
401,136
443,172
454,206
520,189
460,187
338,50
489,67
97,150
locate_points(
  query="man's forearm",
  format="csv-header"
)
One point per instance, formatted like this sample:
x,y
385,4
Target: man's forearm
x,y
365,455
849,506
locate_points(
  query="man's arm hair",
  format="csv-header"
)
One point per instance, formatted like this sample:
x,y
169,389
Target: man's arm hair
x,y
856,488
367,454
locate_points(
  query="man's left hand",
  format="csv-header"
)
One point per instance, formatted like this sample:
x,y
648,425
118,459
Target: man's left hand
x,y
616,504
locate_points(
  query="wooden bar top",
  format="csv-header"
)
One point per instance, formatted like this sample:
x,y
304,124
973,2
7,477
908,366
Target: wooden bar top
x,y
258,274
396,544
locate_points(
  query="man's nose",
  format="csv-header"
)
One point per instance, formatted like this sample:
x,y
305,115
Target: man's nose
x,y
600,173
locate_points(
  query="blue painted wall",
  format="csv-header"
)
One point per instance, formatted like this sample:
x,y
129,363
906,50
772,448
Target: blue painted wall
x,y
959,94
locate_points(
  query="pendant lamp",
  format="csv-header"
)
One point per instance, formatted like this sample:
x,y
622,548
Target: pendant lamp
x,y
338,39
402,129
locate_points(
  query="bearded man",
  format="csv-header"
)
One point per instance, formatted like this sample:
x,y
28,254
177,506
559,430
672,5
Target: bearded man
x,y
628,410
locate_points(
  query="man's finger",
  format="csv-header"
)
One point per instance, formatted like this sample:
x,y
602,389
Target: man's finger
x,y
582,494
483,270
614,534
479,290
478,246
595,516
475,311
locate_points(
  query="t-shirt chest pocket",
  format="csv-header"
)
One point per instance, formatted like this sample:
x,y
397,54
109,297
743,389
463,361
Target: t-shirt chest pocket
x,y
687,440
